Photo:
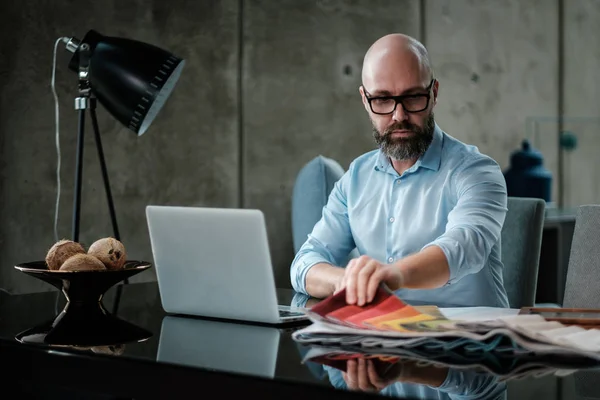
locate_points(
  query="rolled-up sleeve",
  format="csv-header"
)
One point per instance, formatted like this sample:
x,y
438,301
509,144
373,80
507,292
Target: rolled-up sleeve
x,y
330,240
475,223
468,384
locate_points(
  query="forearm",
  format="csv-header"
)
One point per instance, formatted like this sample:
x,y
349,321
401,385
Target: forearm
x,y
322,278
427,269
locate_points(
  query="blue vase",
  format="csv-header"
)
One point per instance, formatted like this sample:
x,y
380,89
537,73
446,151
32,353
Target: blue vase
x,y
527,176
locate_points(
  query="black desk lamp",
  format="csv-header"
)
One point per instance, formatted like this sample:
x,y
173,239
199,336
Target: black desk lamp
x,y
131,79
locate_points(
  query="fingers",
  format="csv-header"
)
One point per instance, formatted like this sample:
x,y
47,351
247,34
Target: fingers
x,y
351,374
362,377
364,278
359,375
350,280
361,280
374,377
371,287
342,283
351,277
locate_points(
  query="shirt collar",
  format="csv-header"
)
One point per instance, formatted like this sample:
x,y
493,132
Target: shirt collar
x,y
433,156
430,160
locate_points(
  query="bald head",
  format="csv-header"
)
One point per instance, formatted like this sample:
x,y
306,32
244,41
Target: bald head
x,y
396,60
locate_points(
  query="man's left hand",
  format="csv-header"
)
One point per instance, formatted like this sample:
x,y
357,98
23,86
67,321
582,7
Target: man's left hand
x,y
362,277
362,375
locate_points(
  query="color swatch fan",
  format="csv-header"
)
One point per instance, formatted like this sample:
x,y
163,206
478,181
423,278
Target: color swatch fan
x,y
386,312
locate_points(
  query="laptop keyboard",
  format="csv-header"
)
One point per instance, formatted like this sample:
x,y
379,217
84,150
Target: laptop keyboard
x,y
286,313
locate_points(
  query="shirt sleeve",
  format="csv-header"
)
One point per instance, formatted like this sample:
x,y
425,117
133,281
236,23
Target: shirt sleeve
x,y
475,223
330,240
468,384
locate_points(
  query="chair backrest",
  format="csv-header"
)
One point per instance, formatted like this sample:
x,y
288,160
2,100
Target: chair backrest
x,y
311,191
521,242
582,288
310,194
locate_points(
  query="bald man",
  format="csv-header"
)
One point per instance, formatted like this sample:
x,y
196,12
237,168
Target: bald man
x,y
424,210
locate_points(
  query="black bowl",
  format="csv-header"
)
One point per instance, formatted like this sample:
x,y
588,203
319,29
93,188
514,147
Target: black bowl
x,y
86,326
83,286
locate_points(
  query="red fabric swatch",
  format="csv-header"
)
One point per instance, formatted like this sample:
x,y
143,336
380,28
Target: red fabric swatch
x,y
336,309
389,305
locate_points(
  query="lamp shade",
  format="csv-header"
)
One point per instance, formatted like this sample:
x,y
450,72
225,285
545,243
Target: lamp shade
x,y
131,79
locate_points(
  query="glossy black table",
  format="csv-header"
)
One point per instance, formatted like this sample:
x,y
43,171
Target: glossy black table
x,y
194,357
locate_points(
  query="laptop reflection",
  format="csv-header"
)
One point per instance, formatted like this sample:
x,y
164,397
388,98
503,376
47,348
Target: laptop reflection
x,y
220,346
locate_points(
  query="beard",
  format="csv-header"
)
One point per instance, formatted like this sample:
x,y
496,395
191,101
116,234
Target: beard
x,y
408,148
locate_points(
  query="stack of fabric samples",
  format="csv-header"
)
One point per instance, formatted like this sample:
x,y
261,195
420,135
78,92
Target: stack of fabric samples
x,y
388,323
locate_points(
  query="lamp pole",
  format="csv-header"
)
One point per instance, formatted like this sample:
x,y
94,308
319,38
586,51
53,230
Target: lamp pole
x,y
81,104
87,100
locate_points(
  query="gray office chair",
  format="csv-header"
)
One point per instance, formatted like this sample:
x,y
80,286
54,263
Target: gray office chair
x,y
310,193
582,288
520,249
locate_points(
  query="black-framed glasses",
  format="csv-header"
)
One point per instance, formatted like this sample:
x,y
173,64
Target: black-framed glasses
x,y
411,103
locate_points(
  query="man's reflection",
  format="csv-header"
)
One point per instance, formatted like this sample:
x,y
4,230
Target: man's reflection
x,y
408,379
371,375
302,300
404,378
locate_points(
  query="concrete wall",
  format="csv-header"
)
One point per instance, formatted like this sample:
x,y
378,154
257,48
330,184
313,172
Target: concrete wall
x,y
581,96
497,63
268,86
301,72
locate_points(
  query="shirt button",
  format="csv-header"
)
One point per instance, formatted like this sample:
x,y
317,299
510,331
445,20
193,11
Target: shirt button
x,y
390,259
398,182
392,219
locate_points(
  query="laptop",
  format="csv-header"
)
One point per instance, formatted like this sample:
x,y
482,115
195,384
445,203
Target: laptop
x,y
216,345
215,262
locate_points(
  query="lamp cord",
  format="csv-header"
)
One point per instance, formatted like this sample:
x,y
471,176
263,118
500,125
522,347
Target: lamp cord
x,y
57,121
56,117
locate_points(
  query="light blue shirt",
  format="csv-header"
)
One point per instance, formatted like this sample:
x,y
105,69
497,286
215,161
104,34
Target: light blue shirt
x,y
453,197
